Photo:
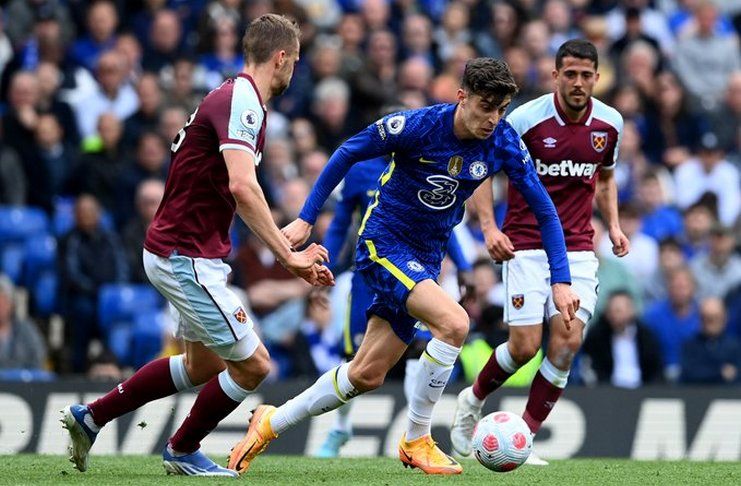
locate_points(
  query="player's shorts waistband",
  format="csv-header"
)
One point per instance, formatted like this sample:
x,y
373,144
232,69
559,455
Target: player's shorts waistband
x,y
573,256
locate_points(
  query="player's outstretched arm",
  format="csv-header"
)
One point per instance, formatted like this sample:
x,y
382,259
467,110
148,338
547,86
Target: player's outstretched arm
x,y
498,244
254,211
606,198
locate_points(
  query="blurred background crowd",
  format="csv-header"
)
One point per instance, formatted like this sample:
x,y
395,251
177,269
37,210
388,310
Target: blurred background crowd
x,y
93,93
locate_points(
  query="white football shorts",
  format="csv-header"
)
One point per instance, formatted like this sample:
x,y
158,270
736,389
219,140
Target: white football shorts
x,y
201,303
527,284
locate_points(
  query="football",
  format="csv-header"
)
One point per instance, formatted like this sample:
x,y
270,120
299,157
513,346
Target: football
x,y
502,441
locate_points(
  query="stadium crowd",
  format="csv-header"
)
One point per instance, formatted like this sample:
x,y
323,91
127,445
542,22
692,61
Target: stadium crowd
x,y
93,93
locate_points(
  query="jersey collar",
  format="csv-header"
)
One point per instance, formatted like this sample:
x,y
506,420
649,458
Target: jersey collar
x,y
563,119
254,86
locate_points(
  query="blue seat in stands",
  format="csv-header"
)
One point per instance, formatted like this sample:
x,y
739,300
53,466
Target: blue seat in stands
x,y
17,223
146,339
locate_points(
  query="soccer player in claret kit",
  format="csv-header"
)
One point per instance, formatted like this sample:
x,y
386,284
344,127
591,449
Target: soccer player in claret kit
x,y
212,176
441,154
574,140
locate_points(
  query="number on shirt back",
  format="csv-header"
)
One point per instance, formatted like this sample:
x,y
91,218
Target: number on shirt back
x,y
180,137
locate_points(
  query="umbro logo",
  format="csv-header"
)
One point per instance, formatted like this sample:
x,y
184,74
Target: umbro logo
x,y
550,142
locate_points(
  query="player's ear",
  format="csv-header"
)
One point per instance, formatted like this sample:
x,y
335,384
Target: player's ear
x,y
461,95
279,58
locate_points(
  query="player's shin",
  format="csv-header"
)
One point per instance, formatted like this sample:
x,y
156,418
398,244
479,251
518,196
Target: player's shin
x,y
410,378
329,392
157,379
435,366
220,397
546,389
500,366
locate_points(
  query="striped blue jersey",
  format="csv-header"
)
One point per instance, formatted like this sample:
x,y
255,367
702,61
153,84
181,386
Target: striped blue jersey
x,y
420,196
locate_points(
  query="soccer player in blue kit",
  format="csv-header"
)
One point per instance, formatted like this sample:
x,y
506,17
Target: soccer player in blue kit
x,y
441,155
358,192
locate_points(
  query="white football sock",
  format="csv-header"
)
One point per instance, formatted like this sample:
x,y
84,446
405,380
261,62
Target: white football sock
x,y
410,378
435,366
342,421
331,390
179,374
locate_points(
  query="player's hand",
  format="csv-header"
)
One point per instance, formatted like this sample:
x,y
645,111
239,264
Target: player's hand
x,y
620,242
466,287
498,245
297,232
306,264
566,302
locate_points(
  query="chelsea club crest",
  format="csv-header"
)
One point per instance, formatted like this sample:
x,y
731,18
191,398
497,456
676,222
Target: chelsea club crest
x,y
478,170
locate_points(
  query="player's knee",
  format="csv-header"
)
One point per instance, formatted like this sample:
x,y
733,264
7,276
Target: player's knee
x,y
524,351
200,372
365,378
251,372
455,327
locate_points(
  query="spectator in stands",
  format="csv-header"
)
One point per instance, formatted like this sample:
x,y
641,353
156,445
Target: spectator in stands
x,y
113,95
102,22
675,320
704,59
21,117
670,129
331,109
53,162
90,256
21,343
417,40
151,162
726,120
643,259
49,79
671,258
148,197
453,29
23,15
317,344
622,350
633,33
718,271
104,367
632,163
146,118
712,356
374,85
503,31
180,88
659,220
131,51
613,276
710,172
172,120
223,60
12,178
698,221
165,41
98,173
653,23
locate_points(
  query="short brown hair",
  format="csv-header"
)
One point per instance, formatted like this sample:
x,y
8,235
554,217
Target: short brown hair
x,y
267,34
489,78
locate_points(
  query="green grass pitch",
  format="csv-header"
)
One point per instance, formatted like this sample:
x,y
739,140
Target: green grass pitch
x,y
147,470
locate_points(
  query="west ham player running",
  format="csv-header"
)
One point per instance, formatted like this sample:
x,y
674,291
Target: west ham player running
x,y
441,154
574,140
212,176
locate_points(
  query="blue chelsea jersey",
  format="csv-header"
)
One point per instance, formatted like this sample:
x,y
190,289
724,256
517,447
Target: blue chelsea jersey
x,y
421,194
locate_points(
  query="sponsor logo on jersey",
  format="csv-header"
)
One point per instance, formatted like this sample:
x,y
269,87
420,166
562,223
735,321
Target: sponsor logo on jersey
x,y
415,266
240,315
518,300
442,195
395,124
549,142
566,168
381,130
249,118
599,141
478,170
455,165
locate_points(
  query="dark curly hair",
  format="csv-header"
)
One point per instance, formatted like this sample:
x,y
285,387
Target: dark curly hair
x,y
489,78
